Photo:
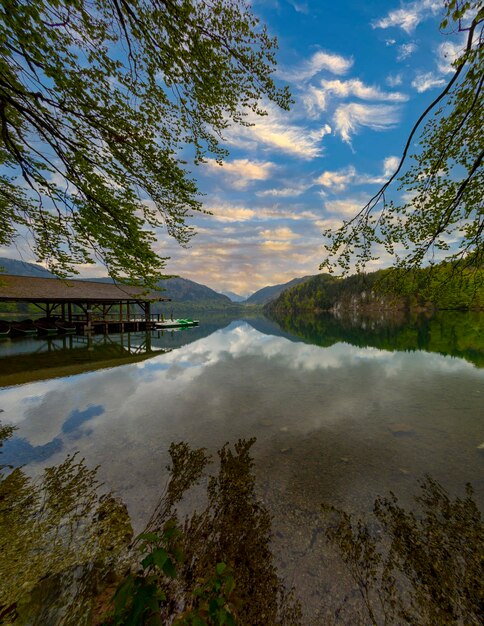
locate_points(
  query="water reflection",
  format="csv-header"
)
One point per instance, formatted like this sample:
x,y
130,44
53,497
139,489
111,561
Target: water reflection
x,y
446,332
342,423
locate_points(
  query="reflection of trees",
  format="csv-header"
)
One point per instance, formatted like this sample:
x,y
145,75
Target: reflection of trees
x,y
447,332
59,539
66,556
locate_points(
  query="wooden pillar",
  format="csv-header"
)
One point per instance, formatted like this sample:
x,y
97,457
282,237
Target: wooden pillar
x,y
69,311
148,314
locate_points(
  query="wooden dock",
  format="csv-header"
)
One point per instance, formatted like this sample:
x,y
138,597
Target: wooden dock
x,y
89,307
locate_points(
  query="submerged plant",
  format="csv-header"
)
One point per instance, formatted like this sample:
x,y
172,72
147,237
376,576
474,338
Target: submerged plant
x,y
214,567
424,566
67,556
59,540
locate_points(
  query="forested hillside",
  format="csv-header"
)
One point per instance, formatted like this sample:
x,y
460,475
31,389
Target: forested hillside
x,y
436,288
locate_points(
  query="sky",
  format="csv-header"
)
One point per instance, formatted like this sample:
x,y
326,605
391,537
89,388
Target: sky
x,y
360,74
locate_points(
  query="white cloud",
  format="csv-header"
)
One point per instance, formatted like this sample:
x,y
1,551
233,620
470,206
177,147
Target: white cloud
x,y
348,118
283,192
448,52
276,132
283,234
347,207
394,80
406,50
390,42
337,180
390,165
242,171
334,63
424,82
314,101
409,17
355,87
229,213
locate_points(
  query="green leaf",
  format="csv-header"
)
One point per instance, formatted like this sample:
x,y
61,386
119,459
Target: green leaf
x,y
220,568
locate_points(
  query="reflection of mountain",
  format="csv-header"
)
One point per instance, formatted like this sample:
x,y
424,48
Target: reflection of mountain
x,y
447,332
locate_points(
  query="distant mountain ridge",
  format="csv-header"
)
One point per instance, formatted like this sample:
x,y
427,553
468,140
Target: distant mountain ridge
x,y
267,294
177,289
22,268
234,296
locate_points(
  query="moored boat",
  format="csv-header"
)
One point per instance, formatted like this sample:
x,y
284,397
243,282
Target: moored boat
x,y
178,323
65,327
25,327
4,329
46,327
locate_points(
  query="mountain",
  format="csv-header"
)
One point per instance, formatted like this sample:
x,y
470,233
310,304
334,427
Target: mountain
x,y
184,290
267,294
22,268
234,296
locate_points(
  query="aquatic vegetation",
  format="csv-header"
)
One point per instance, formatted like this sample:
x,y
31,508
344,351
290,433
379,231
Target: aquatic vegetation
x,y
216,566
57,533
68,557
423,566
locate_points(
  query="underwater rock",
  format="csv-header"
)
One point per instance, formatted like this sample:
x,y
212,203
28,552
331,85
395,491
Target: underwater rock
x,y
401,430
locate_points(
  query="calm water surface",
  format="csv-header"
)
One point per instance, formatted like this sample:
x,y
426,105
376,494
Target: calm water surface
x,y
334,422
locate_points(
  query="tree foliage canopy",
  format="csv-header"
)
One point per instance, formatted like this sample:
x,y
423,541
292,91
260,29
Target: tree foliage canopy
x,y
98,100
444,217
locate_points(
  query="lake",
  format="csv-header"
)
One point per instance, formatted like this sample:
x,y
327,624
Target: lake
x,y
343,410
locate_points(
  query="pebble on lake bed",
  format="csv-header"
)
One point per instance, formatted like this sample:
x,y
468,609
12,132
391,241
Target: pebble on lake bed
x,y
266,423
481,447
285,450
401,429
284,429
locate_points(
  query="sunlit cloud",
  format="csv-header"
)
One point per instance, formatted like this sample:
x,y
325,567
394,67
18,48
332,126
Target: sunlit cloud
x,y
241,172
278,132
349,118
229,213
355,87
424,82
314,101
339,180
347,207
320,61
409,17
278,234
276,245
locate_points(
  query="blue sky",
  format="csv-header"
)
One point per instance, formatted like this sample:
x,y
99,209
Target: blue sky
x,y
360,74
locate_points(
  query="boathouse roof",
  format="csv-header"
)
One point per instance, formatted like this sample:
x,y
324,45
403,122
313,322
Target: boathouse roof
x,y
33,289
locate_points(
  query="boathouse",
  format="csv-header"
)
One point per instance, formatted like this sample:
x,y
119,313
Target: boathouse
x,y
88,305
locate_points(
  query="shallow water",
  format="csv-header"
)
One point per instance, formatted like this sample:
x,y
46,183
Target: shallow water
x,y
341,423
